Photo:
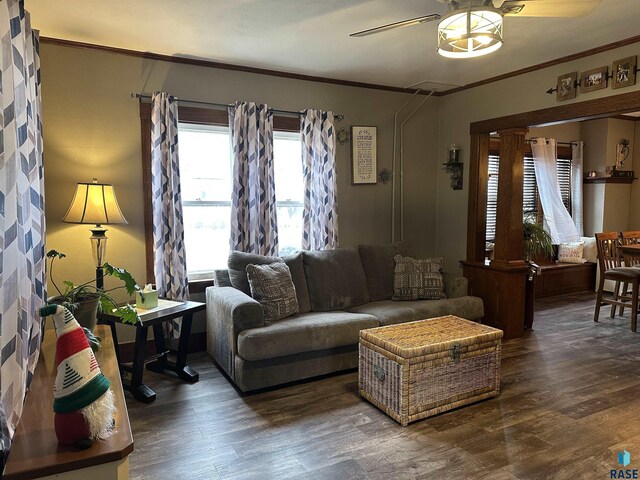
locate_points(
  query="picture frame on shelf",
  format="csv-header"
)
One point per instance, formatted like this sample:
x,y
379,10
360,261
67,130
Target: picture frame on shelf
x,y
364,145
566,86
594,79
624,72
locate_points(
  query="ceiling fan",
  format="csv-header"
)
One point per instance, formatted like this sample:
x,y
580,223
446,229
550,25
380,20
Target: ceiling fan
x,y
474,27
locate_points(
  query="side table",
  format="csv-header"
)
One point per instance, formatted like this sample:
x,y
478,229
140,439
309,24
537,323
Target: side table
x,y
155,317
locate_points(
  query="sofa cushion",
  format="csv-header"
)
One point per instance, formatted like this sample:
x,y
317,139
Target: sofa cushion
x,y
303,333
378,265
238,262
389,312
418,279
335,279
271,285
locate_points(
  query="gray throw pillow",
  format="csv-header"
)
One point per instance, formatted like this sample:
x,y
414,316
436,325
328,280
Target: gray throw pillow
x,y
271,285
418,279
238,262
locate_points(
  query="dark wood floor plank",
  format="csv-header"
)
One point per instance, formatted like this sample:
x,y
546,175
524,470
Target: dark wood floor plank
x,y
570,397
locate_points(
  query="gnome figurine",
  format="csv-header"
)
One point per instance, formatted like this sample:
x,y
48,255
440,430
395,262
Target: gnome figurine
x,y
83,400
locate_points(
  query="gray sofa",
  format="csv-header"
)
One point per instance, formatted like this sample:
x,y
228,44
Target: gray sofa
x,y
339,293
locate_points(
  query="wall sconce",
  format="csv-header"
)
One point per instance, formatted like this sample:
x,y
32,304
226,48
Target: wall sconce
x,y
454,167
622,152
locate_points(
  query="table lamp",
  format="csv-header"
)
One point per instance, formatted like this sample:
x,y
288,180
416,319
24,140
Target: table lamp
x,y
95,203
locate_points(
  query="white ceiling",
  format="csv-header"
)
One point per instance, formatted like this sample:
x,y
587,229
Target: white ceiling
x,y
312,36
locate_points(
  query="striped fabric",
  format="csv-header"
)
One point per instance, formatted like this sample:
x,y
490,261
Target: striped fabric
x,y
254,222
22,222
170,264
320,214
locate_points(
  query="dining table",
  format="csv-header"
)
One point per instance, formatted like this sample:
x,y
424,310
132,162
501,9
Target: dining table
x,y
630,254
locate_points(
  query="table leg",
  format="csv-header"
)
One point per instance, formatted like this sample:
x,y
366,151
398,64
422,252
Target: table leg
x,y
179,367
139,390
184,371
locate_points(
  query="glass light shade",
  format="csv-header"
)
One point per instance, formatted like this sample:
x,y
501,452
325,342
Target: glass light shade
x,y
94,203
469,33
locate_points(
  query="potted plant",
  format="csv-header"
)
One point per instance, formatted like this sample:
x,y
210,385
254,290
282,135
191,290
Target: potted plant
x,y
86,300
537,243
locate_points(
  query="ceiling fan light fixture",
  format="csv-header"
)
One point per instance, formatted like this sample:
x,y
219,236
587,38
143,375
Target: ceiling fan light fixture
x,y
470,32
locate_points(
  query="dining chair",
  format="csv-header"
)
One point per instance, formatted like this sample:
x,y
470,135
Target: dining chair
x,y
629,238
611,269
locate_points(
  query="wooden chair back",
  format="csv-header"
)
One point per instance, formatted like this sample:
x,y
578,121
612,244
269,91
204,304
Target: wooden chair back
x,y
629,238
608,255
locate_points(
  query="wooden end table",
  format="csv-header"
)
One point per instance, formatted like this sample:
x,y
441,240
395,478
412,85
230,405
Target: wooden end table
x,y
167,310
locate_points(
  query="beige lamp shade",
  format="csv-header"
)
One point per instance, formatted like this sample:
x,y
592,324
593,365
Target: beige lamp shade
x,y
94,203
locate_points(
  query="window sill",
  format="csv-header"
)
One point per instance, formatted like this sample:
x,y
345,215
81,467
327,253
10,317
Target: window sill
x,y
199,286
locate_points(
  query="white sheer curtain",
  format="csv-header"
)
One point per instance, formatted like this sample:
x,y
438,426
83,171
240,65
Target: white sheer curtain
x,y
576,186
557,220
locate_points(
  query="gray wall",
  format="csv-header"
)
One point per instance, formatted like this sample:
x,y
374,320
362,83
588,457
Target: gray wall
x,y
517,94
92,129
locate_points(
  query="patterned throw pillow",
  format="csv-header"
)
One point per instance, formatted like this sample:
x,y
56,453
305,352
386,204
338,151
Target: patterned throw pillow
x,y
271,285
418,279
571,252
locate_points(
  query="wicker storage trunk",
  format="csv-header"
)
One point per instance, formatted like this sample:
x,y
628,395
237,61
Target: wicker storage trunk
x,y
418,369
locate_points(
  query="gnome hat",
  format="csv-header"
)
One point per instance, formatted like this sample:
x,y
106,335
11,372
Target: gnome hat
x,y
79,381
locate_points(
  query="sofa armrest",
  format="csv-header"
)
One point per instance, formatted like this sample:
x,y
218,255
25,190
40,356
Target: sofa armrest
x,y
229,311
454,285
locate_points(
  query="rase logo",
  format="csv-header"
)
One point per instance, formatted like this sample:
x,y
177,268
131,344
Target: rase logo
x,y
624,459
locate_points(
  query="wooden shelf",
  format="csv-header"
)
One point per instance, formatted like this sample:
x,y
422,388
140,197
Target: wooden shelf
x,y
609,180
35,451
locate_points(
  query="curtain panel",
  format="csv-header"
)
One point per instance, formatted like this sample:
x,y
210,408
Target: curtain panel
x,y
22,222
254,222
320,214
577,196
557,220
170,265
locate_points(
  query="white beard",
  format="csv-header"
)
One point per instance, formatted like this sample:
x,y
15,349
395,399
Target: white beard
x,y
99,416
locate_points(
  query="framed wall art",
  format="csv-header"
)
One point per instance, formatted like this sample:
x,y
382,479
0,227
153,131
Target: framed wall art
x,y
364,155
624,72
567,86
594,79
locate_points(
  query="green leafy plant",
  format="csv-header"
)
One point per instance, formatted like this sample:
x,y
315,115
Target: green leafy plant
x,y
537,241
72,294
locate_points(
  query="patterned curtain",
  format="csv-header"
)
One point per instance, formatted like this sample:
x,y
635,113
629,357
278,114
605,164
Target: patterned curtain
x,y
320,216
22,223
254,224
170,266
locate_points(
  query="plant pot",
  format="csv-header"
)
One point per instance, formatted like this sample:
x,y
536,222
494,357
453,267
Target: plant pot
x,y
86,312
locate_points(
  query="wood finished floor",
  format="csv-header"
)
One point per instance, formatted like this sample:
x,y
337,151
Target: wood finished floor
x,y
570,400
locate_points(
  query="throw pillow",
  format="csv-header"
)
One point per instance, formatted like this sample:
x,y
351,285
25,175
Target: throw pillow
x,y
571,252
271,285
418,279
590,250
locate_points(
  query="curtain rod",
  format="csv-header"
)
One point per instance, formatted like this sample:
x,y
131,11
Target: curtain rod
x,y
144,96
529,140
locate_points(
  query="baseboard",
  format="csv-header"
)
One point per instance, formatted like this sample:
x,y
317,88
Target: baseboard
x,y
197,343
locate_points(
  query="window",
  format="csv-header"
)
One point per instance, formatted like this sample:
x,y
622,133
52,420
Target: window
x,y
530,200
206,168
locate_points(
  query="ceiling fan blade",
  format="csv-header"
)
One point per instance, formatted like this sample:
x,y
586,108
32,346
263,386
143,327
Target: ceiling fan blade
x,y
549,8
390,26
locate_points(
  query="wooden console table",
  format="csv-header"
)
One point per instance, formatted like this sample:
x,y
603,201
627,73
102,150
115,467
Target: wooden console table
x,y
35,452
167,310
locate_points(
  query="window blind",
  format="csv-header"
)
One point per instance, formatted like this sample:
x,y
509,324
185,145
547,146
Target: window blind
x,y
530,200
